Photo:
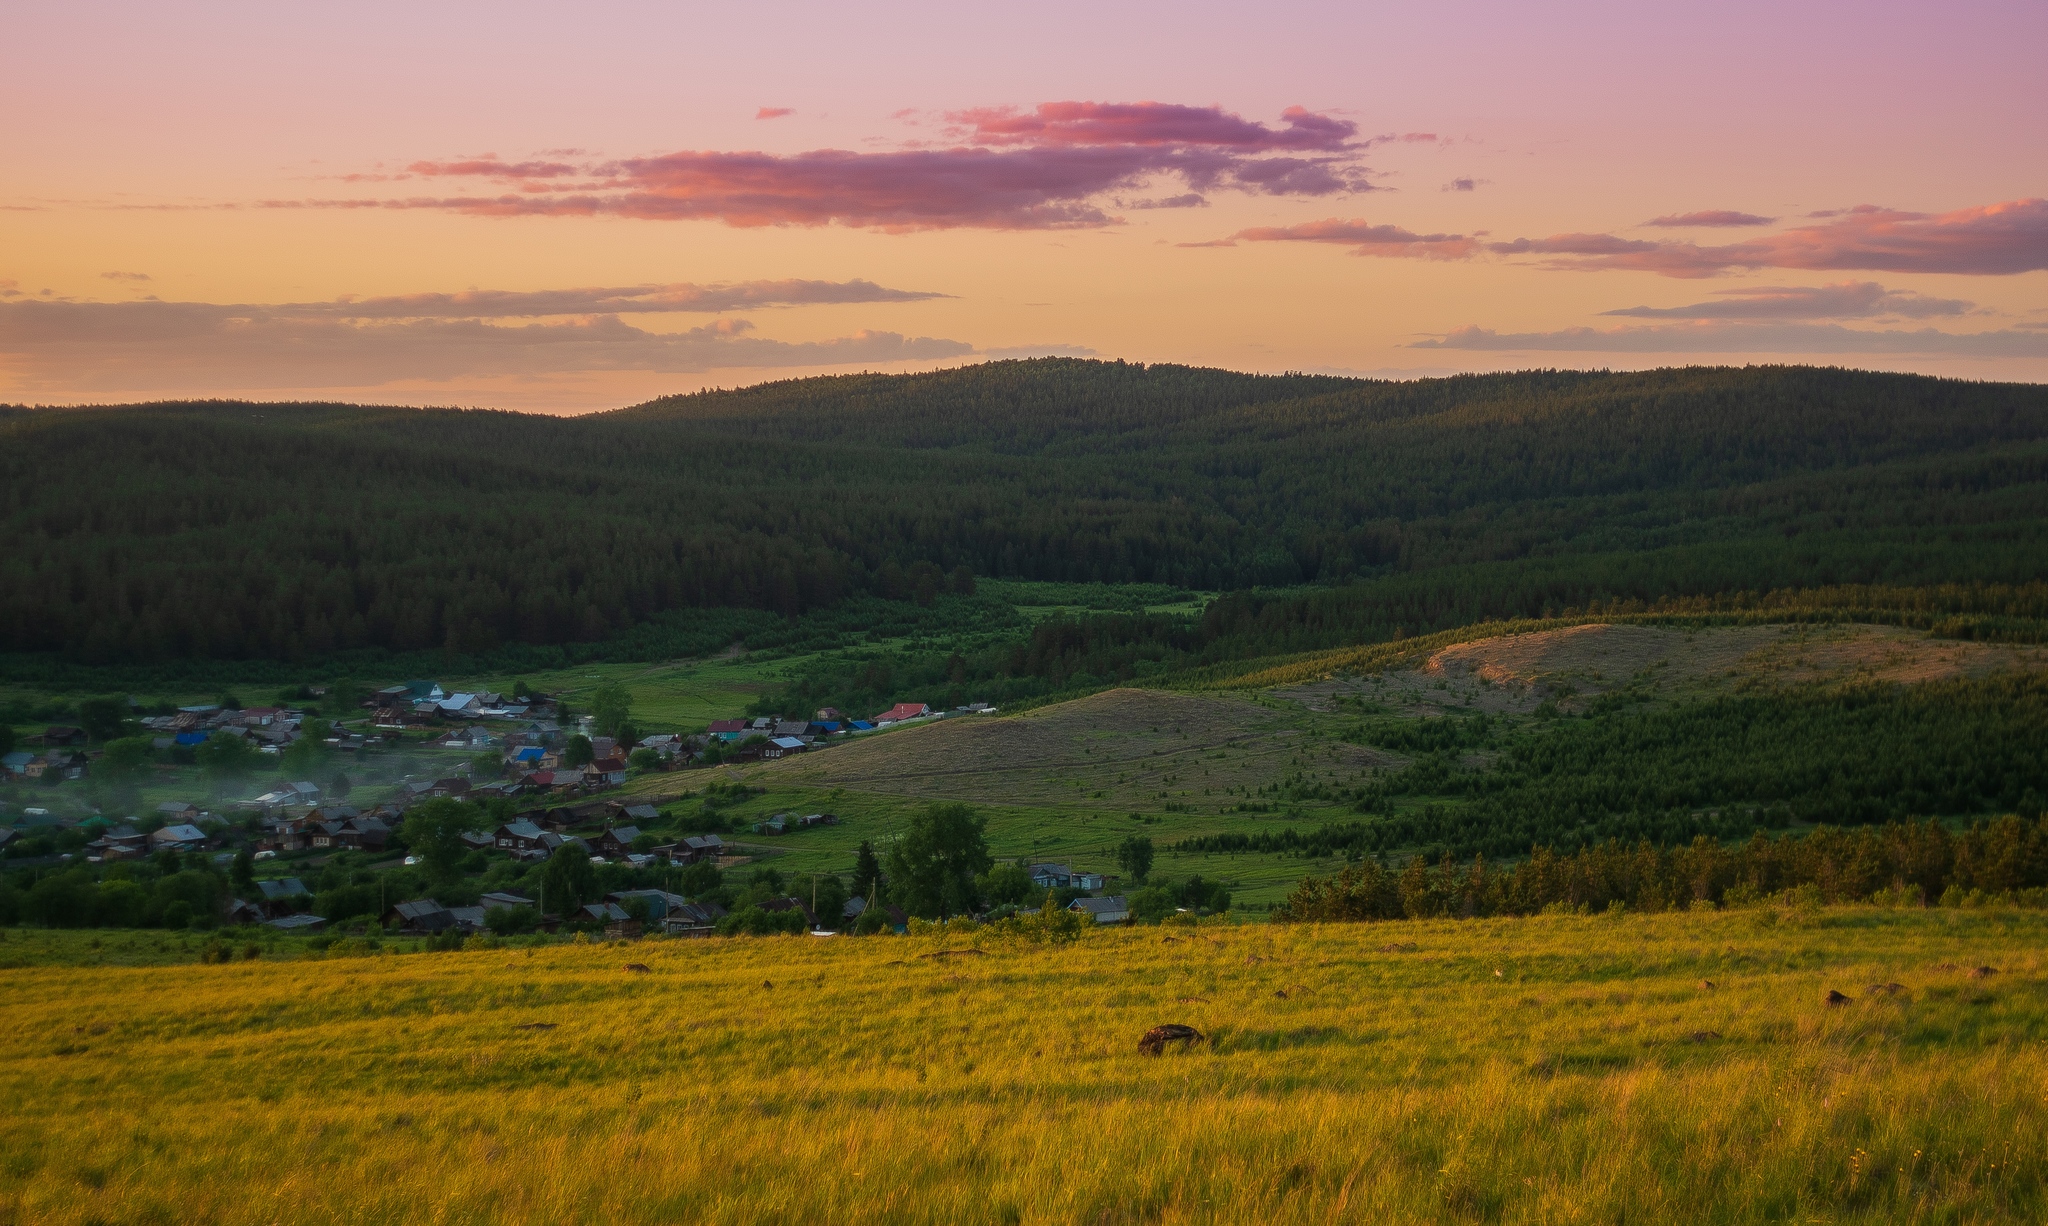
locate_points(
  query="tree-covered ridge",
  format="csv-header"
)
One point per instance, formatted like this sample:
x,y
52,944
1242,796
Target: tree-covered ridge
x,y
284,531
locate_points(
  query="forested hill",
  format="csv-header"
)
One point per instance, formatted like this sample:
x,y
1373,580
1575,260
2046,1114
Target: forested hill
x,y
236,530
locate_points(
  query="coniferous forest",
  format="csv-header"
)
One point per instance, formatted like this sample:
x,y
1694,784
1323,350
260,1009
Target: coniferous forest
x,y
228,531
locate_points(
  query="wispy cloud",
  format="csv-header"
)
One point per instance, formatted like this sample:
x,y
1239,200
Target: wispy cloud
x,y
1989,240
1710,217
125,276
1843,300
774,112
1047,168
1743,337
1363,237
364,342
604,300
116,347
1040,351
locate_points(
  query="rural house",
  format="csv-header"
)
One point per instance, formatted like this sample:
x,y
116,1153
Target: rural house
x,y
615,843
1060,877
1111,910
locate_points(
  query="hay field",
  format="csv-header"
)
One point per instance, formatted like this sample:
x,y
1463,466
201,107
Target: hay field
x,y
1560,1069
1120,749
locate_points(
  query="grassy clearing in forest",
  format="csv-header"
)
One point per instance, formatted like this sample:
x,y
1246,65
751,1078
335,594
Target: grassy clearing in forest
x,y
1549,1069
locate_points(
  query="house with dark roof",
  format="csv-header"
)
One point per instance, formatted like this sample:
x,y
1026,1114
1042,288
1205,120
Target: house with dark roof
x,y
1114,909
283,896
659,902
1060,877
468,919
616,842
181,837
419,917
518,836
119,843
692,919
609,772
614,918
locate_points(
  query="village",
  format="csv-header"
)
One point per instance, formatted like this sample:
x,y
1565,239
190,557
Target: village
x,y
544,797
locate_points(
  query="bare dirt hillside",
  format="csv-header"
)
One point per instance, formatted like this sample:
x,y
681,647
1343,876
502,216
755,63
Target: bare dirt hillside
x,y
1136,749
1516,673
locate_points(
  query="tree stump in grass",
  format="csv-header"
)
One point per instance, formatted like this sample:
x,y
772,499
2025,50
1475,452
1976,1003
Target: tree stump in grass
x,y
1155,1040
1836,998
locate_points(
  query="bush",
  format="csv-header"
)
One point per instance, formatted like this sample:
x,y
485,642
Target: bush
x,y
506,921
753,921
872,921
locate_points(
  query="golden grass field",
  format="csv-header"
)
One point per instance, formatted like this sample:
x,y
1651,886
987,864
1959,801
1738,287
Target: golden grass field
x,y
1558,1069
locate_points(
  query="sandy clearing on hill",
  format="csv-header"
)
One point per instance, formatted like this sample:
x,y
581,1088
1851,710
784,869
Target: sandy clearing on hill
x,y
1516,673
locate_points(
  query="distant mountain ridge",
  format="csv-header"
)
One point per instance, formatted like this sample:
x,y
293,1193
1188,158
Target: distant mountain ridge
x,y
219,530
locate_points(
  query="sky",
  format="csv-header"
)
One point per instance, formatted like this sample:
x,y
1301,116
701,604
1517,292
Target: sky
x,y
561,208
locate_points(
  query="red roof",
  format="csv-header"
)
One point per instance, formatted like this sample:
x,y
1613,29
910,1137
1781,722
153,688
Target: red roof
x,y
728,725
904,710
608,766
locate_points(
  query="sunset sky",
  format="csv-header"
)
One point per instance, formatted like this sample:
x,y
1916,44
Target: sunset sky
x,y
571,207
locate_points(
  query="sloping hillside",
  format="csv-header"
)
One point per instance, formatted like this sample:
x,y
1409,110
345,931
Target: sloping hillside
x,y
1135,750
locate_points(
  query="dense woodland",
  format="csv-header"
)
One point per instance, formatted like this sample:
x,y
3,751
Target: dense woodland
x,y
295,532
1724,767
1901,863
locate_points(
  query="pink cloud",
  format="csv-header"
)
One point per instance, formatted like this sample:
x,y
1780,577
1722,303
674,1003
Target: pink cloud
x,y
1988,240
1710,217
1153,124
491,166
1053,167
774,112
1729,336
1362,237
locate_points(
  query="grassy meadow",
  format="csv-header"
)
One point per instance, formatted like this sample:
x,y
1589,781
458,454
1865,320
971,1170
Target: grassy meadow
x,y
1557,1069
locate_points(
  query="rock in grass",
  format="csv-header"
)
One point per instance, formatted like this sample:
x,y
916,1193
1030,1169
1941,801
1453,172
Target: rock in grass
x,y
1708,985
1836,998
1155,1040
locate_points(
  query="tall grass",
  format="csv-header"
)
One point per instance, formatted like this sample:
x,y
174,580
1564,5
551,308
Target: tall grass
x,y
1555,1069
